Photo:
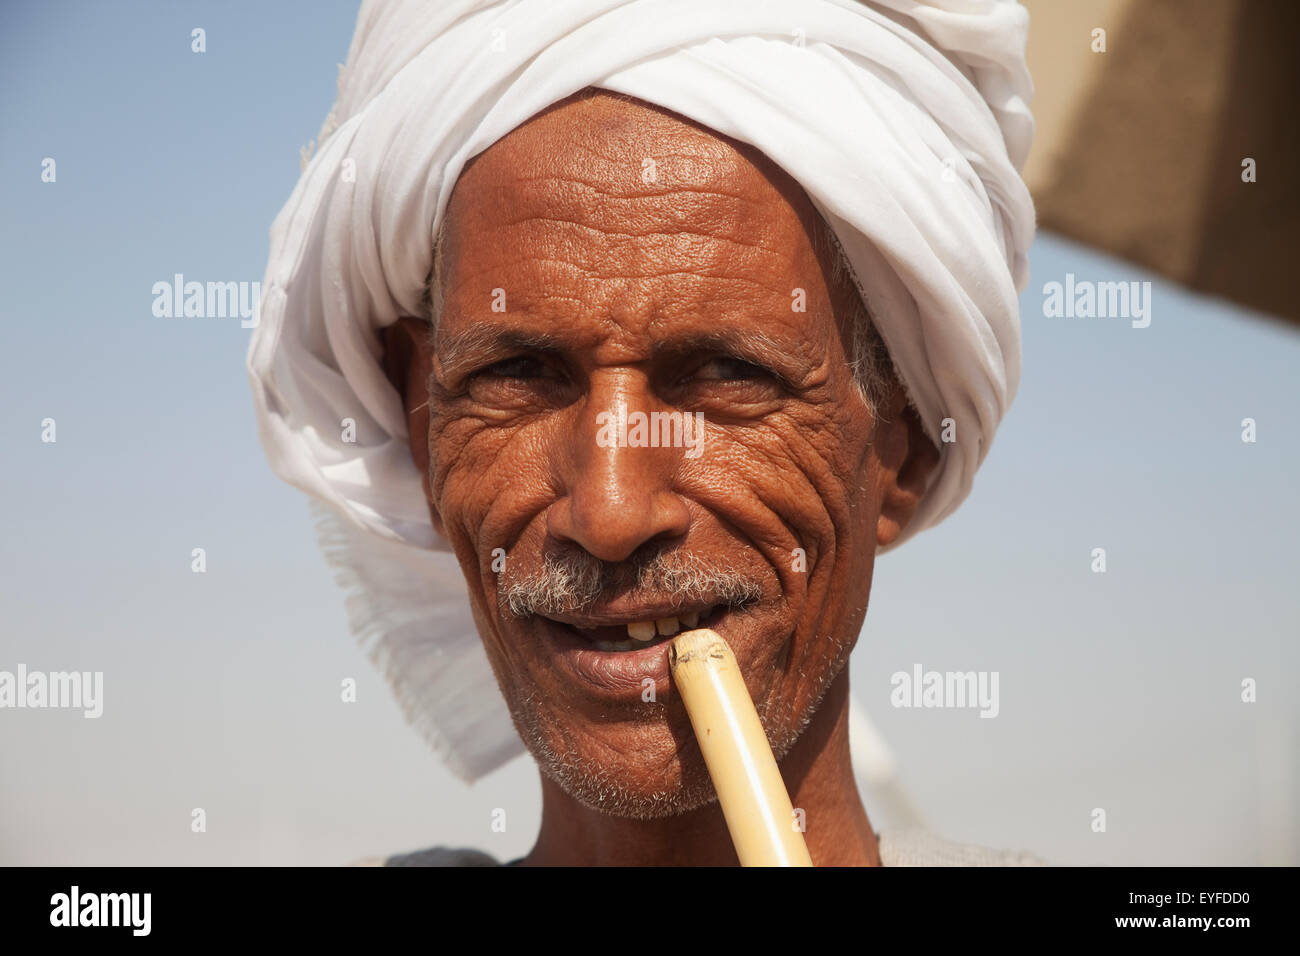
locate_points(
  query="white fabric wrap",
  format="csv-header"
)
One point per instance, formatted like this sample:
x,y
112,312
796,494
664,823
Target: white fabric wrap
x,y
906,123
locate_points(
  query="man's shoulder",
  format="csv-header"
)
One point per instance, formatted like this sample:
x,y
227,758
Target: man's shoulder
x,y
912,846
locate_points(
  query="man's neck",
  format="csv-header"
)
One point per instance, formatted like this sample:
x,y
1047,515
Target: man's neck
x,y
817,771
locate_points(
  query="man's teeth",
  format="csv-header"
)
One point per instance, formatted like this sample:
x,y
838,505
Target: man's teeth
x,y
641,632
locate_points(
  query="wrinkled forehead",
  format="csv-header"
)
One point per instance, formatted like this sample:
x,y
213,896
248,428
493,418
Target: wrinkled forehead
x,y
625,188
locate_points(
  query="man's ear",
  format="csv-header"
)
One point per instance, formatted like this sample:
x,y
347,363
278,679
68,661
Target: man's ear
x,y
906,459
408,362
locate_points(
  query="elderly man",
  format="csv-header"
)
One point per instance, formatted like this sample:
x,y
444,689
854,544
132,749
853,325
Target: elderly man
x,y
646,316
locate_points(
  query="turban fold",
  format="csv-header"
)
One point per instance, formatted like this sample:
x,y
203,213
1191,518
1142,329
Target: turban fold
x,y
906,123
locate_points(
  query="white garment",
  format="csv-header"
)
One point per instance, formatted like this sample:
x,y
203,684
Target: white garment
x,y
907,124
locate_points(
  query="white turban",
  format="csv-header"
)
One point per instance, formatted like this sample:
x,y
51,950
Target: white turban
x,y
905,122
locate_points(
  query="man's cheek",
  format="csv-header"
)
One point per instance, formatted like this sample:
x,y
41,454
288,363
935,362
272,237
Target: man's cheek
x,y
786,479
463,455
492,495
803,523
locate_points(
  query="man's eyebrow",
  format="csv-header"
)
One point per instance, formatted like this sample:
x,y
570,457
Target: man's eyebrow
x,y
459,351
481,345
751,345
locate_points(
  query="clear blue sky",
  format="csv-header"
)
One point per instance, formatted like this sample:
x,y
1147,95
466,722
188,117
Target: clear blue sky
x,y
1118,690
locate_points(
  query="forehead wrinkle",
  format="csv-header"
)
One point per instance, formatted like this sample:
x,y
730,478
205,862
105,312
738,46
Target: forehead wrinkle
x,y
705,212
571,197
570,258
453,283
597,142
762,221
689,244
609,150
580,175
649,233
637,193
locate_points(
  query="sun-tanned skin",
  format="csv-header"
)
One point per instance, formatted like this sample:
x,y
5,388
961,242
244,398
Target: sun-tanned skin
x,y
625,277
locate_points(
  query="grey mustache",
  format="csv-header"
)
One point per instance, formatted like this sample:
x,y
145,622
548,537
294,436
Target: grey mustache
x,y
575,581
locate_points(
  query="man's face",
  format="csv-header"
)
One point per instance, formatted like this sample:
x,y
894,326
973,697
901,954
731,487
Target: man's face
x,y
604,261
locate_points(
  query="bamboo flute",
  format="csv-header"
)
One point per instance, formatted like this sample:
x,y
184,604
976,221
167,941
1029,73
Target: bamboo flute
x,y
750,790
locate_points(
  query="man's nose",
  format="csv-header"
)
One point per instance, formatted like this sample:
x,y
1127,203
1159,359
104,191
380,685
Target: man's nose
x,y
618,498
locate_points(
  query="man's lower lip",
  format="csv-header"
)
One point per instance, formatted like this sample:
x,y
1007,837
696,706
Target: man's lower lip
x,y
615,674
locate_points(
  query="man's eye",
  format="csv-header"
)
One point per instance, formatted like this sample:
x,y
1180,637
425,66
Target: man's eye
x,y
521,366
519,382
726,369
